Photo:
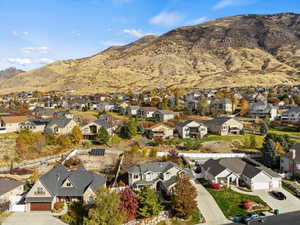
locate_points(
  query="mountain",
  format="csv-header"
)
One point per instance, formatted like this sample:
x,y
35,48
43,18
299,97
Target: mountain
x,y
9,72
244,50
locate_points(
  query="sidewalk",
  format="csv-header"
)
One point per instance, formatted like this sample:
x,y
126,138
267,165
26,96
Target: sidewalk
x,y
209,208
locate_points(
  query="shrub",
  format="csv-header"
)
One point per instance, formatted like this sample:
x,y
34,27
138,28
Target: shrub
x,y
247,204
58,205
215,186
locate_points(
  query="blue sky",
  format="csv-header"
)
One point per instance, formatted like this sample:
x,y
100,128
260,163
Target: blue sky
x,y
36,32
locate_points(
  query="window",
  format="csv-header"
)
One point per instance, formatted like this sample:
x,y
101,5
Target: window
x,y
135,176
40,191
68,184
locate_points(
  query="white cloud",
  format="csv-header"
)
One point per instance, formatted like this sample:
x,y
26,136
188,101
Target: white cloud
x,y
30,50
29,61
20,34
227,3
76,33
167,19
197,21
136,33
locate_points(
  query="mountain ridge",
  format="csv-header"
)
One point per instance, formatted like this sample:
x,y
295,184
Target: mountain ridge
x,y
243,50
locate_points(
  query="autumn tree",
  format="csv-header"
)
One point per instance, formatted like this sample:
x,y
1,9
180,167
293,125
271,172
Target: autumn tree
x,y
102,136
129,204
149,205
183,197
107,209
235,102
173,156
76,135
244,107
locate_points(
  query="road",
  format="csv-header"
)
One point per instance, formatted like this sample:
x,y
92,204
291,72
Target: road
x,y
283,219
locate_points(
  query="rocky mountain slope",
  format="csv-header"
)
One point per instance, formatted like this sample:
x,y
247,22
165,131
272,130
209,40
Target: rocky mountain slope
x,y
9,72
232,51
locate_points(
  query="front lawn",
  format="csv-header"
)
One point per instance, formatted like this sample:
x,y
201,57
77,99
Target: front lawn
x,y
230,202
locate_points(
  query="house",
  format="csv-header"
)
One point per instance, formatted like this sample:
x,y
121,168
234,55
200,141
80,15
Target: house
x,y
62,185
262,109
236,171
157,175
60,125
42,113
224,126
91,130
290,162
34,125
164,115
147,112
191,129
160,131
132,110
9,189
105,106
292,114
223,106
9,124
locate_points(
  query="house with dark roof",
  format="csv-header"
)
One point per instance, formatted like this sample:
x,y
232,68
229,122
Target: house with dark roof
x,y
234,171
61,125
223,106
9,189
157,175
91,129
34,125
164,115
147,112
292,114
262,109
160,131
62,185
191,129
224,126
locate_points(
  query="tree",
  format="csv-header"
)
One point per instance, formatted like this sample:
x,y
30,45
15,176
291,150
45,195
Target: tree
x,y
102,136
173,156
148,203
129,203
244,107
107,209
203,107
129,130
235,102
183,197
264,128
252,141
279,149
269,152
76,135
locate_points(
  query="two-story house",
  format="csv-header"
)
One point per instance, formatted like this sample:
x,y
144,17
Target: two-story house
x,y
292,114
62,185
224,126
61,124
147,112
164,115
91,129
191,129
157,175
11,123
223,106
262,109
160,131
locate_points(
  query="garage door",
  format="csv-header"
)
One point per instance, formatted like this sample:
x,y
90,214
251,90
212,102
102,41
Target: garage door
x,y
260,186
40,206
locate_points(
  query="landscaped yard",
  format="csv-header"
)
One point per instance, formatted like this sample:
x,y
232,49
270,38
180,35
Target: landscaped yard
x,y
281,132
230,202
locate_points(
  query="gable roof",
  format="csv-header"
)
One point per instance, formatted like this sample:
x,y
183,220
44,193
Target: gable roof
x,y
159,167
80,178
61,122
7,185
14,119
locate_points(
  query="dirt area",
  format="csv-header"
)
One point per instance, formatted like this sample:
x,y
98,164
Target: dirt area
x,y
7,148
109,160
217,147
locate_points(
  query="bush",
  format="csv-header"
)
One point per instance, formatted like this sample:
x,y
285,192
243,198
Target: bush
x,y
58,205
247,204
215,186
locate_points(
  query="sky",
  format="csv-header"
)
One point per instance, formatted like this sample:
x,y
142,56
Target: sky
x,y
37,32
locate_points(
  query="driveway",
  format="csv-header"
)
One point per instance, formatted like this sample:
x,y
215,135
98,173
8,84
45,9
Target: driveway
x,y
32,218
291,204
209,208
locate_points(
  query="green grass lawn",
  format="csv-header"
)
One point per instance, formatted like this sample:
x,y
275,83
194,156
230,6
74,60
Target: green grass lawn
x,y
230,202
290,133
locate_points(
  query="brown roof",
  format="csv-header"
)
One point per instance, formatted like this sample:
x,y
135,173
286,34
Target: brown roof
x,y
14,119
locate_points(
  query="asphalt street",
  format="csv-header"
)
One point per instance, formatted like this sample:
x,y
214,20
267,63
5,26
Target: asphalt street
x,y
283,219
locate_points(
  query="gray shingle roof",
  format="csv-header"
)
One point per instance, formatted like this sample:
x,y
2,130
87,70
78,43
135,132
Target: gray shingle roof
x,y
7,185
104,124
39,199
159,167
60,122
81,179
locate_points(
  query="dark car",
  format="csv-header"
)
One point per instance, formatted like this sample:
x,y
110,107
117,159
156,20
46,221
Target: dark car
x,y
253,218
278,195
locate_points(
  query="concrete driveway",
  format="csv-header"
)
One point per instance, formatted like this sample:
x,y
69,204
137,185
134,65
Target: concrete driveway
x,y
32,218
291,204
209,208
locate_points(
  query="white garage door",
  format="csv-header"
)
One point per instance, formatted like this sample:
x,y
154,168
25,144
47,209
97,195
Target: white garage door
x,y
276,184
260,186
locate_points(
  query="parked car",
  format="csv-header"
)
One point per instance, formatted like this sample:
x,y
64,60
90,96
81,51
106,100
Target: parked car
x,y
278,195
253,218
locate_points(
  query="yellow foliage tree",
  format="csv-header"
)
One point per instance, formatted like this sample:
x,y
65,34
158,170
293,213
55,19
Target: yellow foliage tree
x,y
244,107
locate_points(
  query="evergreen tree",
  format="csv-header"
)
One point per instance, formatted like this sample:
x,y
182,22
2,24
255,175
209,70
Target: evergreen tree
x,y
203,107
129,130
252,141
264,129
269,152
183,197
102,136
148,203
107,209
